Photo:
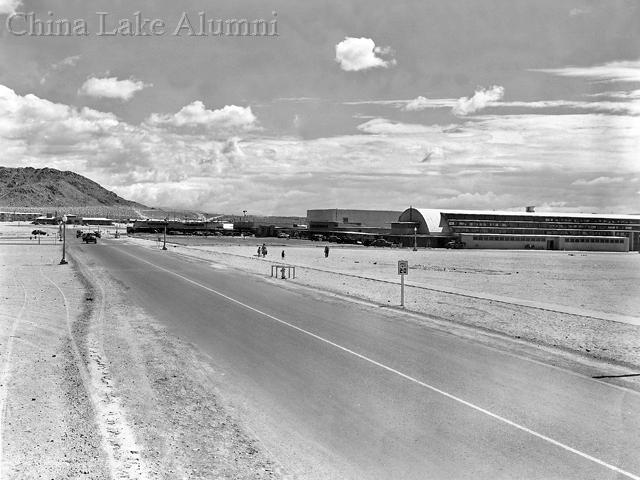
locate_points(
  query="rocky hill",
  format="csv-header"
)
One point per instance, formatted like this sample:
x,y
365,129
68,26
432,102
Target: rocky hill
x,y
36,187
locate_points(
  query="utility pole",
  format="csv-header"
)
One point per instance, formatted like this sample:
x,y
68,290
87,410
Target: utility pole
x,y
164,243
64,240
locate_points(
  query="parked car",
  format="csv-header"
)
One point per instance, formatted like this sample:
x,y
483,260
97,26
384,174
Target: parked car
x,y
89,238
381,242
334,239
454,244
283,235
38,232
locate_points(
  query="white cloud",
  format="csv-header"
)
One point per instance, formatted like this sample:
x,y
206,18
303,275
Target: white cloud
x,y
620,71
575,12
71,61
497,161
67,62
355,54
480,99
228,119
598,181
111,88
382,126
422,103
30,118
629,107
394,103
624,95
8,7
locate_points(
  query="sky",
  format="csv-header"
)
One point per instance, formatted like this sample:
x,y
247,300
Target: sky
x,y
492,104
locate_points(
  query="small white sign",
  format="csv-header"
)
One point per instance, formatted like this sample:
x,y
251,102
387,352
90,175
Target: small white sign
x,y
403,267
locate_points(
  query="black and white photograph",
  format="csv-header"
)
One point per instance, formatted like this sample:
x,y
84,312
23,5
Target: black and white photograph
x,y
320,240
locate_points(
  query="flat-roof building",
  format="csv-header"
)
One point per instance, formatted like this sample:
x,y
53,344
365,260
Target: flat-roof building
x,y
18,216
335,220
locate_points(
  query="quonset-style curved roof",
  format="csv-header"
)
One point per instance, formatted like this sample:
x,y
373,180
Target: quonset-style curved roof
x,y
434,221
429,219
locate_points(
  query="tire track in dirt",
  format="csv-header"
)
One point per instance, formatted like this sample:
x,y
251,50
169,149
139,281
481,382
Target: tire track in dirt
x,y
5,373
118,440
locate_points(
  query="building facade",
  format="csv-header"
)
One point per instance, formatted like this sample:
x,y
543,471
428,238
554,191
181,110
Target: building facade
x,y
18,216
545,230
335,220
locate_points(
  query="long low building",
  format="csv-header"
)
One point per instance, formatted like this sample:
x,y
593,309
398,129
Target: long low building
x,y
351,221
504,229
18,216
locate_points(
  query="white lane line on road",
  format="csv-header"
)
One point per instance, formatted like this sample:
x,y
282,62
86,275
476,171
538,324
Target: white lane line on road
x,y
403,375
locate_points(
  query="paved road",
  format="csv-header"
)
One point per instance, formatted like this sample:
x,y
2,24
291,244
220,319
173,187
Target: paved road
x,y
353,391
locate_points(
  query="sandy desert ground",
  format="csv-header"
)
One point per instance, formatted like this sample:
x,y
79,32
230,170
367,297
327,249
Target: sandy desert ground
x,y
80,400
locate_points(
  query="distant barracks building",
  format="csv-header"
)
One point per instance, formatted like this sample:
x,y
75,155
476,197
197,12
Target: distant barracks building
x,y
485,229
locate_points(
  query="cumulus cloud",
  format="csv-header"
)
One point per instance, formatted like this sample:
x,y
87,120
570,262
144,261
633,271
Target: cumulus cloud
x,y
26,117
8,7
522,159
112,88
356,54
230,118
480,99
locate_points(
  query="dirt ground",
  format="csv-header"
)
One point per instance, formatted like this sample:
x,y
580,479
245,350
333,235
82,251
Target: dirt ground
x,y
90,387
587,303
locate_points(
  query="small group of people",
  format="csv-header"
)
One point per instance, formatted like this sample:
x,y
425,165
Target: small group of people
x,y
262,251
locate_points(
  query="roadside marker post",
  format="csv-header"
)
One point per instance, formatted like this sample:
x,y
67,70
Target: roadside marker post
x,y
403,269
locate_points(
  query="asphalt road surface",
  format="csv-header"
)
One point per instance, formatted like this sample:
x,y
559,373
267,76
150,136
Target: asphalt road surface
x,y
349,390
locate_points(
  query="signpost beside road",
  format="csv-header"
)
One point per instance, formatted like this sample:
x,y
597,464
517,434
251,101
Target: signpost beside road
x,y
403,269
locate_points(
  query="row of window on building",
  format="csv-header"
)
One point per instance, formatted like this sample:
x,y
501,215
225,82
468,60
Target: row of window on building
x,y
594,240
510,239
542,239
523,225
540,232
545,220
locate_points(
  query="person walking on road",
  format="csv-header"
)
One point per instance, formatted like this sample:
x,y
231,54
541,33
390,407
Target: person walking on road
x,y
282,254
259,250
264,249
326,251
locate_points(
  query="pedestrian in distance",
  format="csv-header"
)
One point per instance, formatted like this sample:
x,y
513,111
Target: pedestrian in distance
x,y
259,251
282,254
326,251
264,249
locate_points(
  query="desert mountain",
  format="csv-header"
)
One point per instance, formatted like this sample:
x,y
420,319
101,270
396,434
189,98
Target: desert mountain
x,y
36,187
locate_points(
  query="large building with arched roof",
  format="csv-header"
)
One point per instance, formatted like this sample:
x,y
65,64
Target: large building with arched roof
x,y
518,230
